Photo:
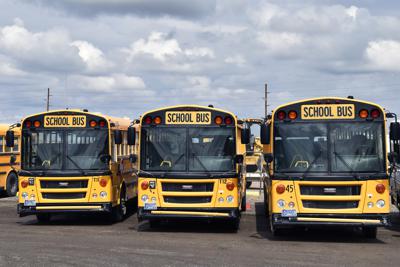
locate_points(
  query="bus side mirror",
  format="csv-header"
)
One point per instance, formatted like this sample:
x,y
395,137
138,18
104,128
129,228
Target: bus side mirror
x,y
117,137
13,159
10,138
265,134
268,157
246,133
239,159
131,136
394,131
133,158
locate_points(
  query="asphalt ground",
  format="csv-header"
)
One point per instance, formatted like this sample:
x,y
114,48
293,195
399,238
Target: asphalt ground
x,y
90,240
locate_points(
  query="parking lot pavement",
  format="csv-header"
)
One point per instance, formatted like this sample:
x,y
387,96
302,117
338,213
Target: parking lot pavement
x,y
90,241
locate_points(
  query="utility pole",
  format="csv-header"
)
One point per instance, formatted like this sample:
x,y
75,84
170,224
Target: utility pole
x,y
48,99
266,100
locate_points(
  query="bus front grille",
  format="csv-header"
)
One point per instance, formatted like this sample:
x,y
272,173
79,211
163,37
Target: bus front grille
x,y
334,190
318,204
187,200
57,184
187,187
63,195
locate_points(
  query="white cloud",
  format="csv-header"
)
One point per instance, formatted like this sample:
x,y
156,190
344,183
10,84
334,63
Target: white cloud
x,y
164,48
156,45
92,56
116,83
280,43
236,59
384,55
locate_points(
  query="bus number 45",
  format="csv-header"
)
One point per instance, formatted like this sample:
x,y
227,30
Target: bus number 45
x,y
290,188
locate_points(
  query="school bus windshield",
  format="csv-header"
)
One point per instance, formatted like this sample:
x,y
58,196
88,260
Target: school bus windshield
x,y
188,149
329,147
84,149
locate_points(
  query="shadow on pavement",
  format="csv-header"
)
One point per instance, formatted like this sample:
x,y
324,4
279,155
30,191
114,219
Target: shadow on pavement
x,y
303,234
80,219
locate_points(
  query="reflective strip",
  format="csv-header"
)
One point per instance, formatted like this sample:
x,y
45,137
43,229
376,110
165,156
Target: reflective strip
x,y
68,207
365,221
216,214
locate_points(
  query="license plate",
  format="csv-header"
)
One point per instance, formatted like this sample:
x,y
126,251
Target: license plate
x,y
30,203
289,213
150,206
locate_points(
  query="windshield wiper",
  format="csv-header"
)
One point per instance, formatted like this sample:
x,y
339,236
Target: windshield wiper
x,y
311,164
343,161
145,172
201,164
76,165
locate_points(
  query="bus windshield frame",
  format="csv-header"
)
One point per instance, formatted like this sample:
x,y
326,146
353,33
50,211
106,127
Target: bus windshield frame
x,y
65,150
333,147
188,149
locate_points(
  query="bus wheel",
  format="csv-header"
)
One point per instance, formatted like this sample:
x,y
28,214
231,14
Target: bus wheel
x,y
119,212
234,224
274,231
43,217
12,184
248,184
370,232
244,203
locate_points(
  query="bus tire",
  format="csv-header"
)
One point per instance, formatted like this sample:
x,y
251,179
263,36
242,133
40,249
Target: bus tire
x,y
266,205
234,224
119,212
370,232
243,206
43,217
248,184
12,184
272,228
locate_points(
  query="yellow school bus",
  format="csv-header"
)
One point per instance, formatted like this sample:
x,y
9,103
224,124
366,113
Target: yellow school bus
x,y
327,165
75,161
8,171
191,164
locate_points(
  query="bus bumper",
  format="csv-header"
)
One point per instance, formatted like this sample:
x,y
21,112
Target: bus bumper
x,y
23,210
310,220
222,214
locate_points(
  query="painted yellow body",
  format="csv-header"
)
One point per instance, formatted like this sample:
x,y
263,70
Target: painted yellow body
x,y
62,193
5,153
193,116
362,214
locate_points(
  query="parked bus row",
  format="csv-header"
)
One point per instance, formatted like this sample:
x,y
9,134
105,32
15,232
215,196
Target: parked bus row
x,y
326,164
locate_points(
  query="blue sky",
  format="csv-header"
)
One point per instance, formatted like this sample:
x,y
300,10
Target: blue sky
x,y
126,57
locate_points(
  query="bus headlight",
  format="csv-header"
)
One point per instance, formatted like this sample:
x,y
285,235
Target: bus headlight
x,y
221,200
94,195
144,198
281,203
291,204
103,194
380,203
154,199
24,195
229,199
370,204
32,196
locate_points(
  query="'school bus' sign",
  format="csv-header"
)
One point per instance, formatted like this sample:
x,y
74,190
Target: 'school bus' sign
x,y
328,112
64,121
188,117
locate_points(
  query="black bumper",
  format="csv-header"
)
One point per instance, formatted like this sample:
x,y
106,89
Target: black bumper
x,y
23,210
147,215
331,220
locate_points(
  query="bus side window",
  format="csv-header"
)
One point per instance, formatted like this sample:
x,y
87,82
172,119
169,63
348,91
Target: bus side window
x,y
113,149
16,143
1,144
